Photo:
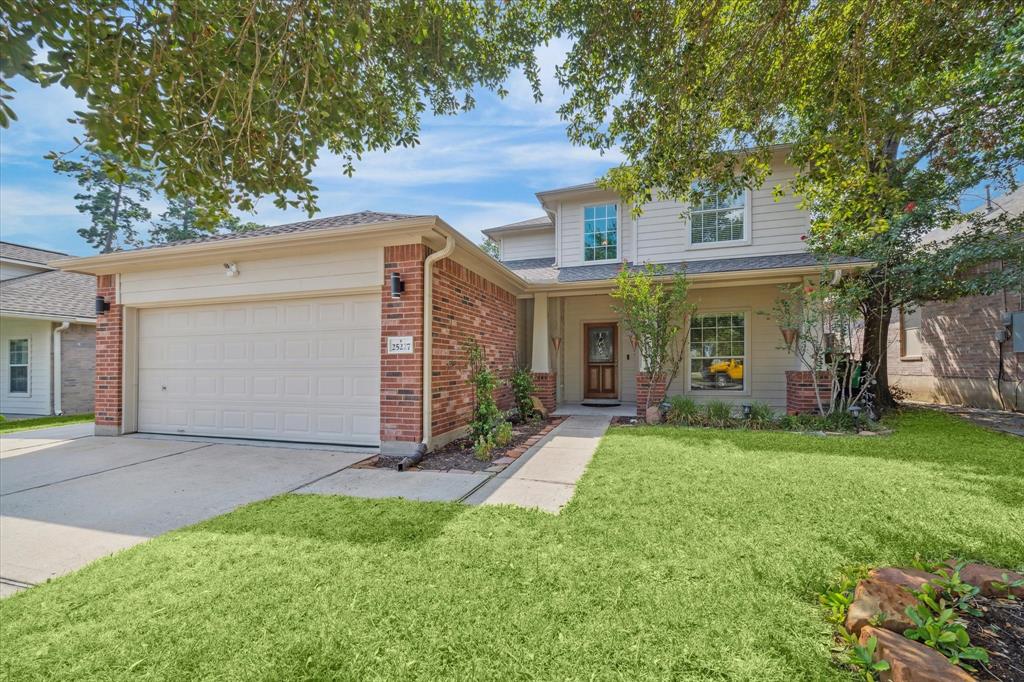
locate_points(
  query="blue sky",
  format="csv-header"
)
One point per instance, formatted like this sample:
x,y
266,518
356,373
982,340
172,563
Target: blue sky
x,y
475,170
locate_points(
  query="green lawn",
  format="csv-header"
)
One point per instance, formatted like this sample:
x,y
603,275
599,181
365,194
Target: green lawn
x,y
686,554
43,422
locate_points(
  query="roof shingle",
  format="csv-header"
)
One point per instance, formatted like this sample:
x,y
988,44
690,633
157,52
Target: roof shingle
x,y
28,254
50,294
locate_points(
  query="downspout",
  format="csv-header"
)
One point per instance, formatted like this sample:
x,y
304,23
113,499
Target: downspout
x,y
57,407
428,346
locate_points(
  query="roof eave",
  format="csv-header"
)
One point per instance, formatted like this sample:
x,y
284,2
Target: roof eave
x,y
110,263
48,317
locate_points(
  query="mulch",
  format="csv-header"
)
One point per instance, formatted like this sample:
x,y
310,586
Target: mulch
x,y
459,456
1000,631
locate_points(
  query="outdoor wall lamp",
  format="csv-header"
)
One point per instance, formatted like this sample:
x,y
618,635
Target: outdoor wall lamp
x,y
556,341
397,285
230,270
101,305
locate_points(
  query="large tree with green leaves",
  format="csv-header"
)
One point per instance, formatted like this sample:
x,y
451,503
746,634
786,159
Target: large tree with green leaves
x,y
893,111
112,195
230,101
181,221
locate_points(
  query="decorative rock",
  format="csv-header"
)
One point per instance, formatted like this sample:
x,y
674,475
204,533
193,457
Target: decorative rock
x,y
910,578
874,597
911,661
503,460
539,406
984,578
866,433
653,414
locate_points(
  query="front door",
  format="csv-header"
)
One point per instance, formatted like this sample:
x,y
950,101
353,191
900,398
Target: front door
x,y
600,360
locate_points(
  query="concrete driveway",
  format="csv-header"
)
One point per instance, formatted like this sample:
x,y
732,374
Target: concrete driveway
x,y
67,498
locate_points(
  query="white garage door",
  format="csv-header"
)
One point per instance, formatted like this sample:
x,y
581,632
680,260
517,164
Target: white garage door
x,y
298,370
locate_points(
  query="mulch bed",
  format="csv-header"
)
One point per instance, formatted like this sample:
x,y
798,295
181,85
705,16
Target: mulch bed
x,y
458,455
1000,631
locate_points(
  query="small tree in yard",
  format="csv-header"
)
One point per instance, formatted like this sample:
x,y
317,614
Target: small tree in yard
x,y
656,314
828,324
487,418
523,389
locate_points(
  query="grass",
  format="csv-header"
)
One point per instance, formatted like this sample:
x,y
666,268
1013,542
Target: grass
x,y
43,422
685,554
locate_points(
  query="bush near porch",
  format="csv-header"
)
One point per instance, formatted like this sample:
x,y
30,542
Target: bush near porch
x,y
686,554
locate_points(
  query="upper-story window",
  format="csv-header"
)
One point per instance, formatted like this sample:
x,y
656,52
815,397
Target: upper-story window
x,y
719,218
601,232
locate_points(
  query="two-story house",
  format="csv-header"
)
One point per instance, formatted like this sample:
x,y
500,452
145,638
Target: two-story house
x,y
351,329
736,251
47,334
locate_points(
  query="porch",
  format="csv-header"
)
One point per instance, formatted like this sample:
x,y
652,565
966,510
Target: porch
x,y
581,354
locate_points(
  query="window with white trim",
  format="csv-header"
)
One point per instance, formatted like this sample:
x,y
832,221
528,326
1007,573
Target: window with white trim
x,y
601,232
910,334
17,364
718,352
718,218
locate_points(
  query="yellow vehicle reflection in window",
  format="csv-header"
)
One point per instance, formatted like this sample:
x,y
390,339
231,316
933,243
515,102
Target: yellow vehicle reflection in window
x,y
729,368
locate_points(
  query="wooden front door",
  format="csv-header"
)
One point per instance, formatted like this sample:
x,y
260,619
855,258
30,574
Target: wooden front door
x,y
600,360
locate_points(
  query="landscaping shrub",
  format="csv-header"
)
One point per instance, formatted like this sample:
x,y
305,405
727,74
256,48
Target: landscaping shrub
x,y
503,434
718,413
483,447
682,411
762,416
486,415
522,389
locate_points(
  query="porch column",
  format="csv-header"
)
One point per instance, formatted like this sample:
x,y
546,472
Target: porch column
x,y
539,362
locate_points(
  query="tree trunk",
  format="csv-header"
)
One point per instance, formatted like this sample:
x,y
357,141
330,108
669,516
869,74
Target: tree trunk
x,y
108,242
877,311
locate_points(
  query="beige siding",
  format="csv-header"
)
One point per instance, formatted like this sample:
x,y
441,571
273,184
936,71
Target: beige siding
x,y
12,270
580,310
766,362
332,270
38,333
775,227
532,244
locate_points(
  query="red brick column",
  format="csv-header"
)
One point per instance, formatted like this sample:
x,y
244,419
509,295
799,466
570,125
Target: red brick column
x,y
800,396
643,380
545,384
109,354
401,376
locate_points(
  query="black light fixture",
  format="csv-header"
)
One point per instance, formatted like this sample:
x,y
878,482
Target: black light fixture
x,y
397,285
101,305
855,412
747,409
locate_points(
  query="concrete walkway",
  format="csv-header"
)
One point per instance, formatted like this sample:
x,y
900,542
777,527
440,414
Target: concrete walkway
x,y
425,486
997,420
545,476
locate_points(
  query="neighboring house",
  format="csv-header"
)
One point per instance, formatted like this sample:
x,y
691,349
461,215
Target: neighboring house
x,y
963,352
333,330
47,334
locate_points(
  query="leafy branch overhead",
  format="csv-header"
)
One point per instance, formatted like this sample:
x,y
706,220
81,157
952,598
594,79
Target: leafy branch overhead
x,y
231,101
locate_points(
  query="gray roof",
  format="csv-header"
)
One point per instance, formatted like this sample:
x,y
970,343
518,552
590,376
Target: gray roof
x,y
326,223
530,223
29,254
50,294
543,270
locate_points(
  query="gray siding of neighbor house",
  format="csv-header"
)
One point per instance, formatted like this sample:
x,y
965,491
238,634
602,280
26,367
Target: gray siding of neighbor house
x,y
78,368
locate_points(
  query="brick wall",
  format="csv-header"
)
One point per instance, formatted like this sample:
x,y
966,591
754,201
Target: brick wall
x,y
800,394
959,354
109,349
77,368
401,376
466,305
546,384
657,392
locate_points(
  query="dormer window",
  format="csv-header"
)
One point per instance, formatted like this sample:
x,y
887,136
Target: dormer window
x,y
719,218
601,233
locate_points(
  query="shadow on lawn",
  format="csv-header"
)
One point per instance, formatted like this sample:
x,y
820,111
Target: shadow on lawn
x,y
339,520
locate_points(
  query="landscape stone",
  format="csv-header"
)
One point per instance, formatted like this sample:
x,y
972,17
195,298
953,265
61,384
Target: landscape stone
x,y
874,597
503,460
910,661
910,578
984,576
539,406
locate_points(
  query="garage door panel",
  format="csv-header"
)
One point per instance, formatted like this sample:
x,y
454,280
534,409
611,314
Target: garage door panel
x,y
291,370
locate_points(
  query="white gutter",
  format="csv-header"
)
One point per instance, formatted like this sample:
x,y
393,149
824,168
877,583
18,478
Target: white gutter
x,y
428,331
56,367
